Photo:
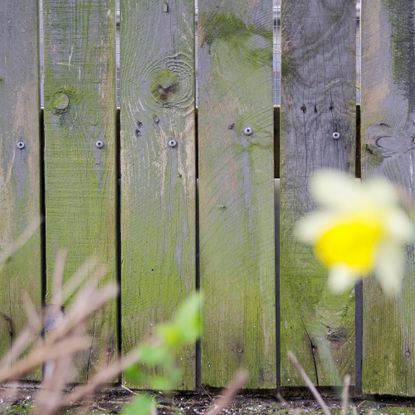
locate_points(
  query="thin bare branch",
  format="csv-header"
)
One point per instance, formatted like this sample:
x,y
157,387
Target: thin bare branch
x,y
26,338
345,394
309,383
10,249
78,278
80,311
41,354
237,383
58,276
103,377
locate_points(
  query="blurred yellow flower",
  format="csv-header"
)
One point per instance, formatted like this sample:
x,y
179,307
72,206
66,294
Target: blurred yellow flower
x,y
358,228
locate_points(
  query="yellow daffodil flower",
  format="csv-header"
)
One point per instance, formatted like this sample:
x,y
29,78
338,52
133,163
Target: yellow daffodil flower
x,y
358,228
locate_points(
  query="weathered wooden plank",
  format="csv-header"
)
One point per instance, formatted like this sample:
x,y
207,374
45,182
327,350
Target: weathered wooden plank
x,y
157,166
318,100
388,128
19,167
236,183
80,145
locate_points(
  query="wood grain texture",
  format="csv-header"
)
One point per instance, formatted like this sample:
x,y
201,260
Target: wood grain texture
x,y
388,131
318,98
236,185
19,168
80,177
158,180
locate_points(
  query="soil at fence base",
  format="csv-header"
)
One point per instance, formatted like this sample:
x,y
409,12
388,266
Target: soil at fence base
x,y
112,400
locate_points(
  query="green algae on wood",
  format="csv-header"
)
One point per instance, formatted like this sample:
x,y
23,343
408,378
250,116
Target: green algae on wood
x,y
388,111
19,167
158,181
318,87
164,85
80,180
236,191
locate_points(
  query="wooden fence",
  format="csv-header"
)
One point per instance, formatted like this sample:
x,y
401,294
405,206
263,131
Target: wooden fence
x,y
174,196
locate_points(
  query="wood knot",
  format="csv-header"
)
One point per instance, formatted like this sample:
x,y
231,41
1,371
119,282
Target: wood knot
x,y
60,102
164,85
337,335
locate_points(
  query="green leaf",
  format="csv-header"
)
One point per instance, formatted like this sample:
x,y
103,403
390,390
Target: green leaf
x,y
153,355
133,374
186,327
161,383
142,405
171,335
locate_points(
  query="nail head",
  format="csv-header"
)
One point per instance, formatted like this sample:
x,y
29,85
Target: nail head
x,y
172,143
20,145
248,131
336,135
99,144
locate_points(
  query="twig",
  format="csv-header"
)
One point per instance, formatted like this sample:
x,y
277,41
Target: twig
x,y
103,377
81,310
309,383
129,390
281,399
238,382
41,354
58,276
10,249
345,394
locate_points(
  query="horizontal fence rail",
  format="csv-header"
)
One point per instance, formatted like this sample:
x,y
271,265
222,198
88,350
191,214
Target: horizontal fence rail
x,y
196,179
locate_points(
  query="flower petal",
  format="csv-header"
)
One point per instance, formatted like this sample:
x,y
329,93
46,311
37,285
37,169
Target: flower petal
x,y
389,267
381,191
310,227
399,225
335,189
341,278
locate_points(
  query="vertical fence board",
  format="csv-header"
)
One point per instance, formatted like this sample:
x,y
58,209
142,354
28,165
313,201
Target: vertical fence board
x,y
19,168
236,183
318,98
158,179
388,129
80,177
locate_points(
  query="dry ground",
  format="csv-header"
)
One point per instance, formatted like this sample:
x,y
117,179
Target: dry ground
x,y
111,402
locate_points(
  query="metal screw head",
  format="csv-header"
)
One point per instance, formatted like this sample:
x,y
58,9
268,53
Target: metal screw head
x,y
172,143
20,145
99,144
248,131
336,135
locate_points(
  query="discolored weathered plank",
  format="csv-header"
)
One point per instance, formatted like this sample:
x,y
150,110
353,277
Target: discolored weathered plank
x,y
158,167
318,100
388,130
236,185
80,146
19,167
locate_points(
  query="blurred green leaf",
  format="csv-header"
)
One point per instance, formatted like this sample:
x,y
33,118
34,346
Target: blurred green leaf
x,y
153,355
185,329
142,405
162,383
134,375
186,326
